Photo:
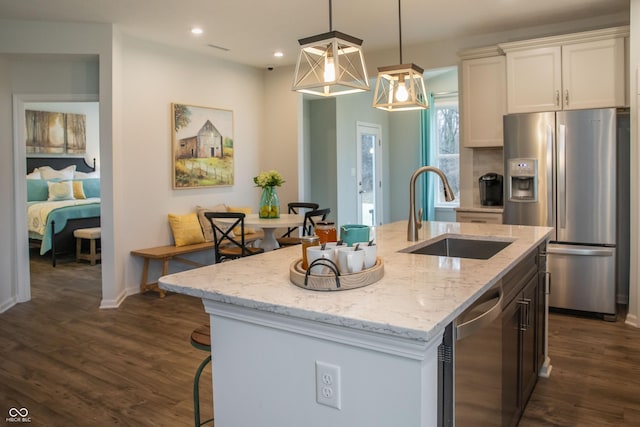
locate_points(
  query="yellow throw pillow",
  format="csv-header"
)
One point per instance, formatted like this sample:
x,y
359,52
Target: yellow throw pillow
x,y
246,211
78,190
186,229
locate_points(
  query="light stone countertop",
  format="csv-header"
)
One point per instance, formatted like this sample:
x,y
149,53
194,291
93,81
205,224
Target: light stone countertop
x,y
417,297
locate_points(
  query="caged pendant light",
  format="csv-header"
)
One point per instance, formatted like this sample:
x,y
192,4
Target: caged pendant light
x,y
330,64
400,87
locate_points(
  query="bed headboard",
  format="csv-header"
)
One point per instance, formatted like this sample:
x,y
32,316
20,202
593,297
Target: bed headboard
x,y
60,163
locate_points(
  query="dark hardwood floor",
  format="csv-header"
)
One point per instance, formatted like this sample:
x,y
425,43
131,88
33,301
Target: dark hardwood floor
x,y
71,364
595,380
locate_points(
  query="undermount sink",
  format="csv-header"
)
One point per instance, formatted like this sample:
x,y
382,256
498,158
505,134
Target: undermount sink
x,y
459,247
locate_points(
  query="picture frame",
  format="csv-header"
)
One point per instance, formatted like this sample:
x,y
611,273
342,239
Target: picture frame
x,y
202,146
55,133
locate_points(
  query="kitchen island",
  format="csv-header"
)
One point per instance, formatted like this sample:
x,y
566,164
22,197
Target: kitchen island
x,y
273,342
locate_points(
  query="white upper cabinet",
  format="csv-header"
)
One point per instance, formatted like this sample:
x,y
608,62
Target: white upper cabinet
x,y
576,71
534,80
484,101
593,74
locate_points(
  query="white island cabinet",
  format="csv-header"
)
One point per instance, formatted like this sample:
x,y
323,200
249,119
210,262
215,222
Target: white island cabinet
x,y
368,355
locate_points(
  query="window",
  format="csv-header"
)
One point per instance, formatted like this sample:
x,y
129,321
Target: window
x,y
445,147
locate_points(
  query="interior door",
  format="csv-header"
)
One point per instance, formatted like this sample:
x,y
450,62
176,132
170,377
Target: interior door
x,y
369,174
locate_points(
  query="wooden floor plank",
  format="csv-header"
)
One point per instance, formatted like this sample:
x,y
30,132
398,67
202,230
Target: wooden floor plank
x,y
72,364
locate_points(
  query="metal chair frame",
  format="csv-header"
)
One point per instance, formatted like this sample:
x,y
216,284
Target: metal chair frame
x,y
227,245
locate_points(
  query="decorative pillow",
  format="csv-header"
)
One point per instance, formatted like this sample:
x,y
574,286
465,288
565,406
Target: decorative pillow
x,y
207,230
37,190
246,211
46,172
85,175
34,175
186,229
62,190
78,190
91,187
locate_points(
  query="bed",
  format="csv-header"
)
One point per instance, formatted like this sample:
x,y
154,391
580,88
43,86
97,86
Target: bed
x,y
63,195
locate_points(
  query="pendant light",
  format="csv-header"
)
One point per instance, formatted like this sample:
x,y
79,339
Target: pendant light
x,y
330,64
400,87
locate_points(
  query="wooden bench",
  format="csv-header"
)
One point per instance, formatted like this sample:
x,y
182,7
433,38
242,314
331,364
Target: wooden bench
x,y
174,253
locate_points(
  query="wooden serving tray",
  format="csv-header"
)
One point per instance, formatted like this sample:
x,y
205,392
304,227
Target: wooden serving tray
x,y
328,282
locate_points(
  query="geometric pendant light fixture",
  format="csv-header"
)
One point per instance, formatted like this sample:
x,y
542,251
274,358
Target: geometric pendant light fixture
x,y
330,64
400,87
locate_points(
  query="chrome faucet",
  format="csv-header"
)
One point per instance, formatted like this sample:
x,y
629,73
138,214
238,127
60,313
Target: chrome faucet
x,y
415,222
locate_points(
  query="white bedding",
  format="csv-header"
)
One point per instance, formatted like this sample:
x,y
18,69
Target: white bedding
x,y
37,212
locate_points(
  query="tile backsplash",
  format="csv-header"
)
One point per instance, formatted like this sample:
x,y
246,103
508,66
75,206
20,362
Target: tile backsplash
x,y
485,160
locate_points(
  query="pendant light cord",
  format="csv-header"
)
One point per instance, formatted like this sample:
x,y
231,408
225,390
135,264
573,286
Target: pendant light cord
x,y
330,17
400,29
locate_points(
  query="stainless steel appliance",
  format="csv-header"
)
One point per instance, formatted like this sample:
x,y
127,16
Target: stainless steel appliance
x,y
490,185
471,378
562,170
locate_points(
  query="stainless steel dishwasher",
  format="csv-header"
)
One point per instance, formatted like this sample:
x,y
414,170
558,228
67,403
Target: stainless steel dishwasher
x,y
472,392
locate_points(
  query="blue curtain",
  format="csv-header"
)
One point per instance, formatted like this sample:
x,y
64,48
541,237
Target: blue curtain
x,y
427,157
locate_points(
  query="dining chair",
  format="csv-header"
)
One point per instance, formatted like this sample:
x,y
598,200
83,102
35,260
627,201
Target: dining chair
x,y
295,208
228,245
309,224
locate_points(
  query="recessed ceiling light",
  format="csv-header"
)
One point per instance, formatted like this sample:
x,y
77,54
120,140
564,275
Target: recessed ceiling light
x,y
278,54
196,30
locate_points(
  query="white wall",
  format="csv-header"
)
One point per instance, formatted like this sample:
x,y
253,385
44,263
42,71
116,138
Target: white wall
x,y
25,48
633,317
154,77
137,83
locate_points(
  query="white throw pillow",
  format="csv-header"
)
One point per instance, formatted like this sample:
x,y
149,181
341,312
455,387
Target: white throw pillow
x,y
86,175
60,191
46,172
34,175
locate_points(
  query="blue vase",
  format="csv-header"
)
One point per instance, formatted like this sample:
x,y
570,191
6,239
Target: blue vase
x,y
269,203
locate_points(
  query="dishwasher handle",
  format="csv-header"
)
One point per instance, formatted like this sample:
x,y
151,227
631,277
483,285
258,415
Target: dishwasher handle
x,y
470,327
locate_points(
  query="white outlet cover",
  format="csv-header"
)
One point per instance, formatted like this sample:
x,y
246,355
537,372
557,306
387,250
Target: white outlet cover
x,y
328,385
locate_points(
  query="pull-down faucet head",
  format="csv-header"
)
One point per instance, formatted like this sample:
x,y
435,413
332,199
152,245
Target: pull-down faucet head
x,y
415,221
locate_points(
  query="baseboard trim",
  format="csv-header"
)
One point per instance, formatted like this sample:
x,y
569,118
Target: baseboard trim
x,y
632,320
6,305
114,303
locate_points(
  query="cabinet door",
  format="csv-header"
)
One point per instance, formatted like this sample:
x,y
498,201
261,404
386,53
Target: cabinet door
x,y
534,80
593,74
529,367
484,101
511,365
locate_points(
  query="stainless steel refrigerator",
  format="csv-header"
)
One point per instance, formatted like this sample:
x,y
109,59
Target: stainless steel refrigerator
x,y
567,170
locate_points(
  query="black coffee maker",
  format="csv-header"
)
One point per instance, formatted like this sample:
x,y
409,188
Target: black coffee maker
x,y
490,189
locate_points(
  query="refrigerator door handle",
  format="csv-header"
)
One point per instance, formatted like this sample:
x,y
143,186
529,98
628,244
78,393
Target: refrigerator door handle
x,y
562,189
549,177
578,250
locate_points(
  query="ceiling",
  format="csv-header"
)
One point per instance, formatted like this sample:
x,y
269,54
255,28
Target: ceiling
x,y
254,30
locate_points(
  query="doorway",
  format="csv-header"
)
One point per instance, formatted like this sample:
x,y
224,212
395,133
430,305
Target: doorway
x,y
369,173
86,104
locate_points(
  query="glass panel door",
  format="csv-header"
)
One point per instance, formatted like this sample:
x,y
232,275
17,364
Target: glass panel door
x,y
368,174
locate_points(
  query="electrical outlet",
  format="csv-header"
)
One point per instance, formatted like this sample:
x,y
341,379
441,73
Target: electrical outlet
x,y
328,385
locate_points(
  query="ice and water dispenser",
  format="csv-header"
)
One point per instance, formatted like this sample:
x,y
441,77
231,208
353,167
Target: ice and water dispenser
x,y
522,180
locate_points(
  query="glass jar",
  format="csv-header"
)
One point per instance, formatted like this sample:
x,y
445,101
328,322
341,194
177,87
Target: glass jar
x,y
269,203
326,230
306,242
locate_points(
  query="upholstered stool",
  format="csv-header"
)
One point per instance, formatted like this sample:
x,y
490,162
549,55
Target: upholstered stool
x,y
200,339
92,235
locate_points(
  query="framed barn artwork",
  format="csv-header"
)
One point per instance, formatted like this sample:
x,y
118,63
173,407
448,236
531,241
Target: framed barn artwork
x,y
202,146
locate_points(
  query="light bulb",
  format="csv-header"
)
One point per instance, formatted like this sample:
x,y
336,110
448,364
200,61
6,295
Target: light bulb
x,y
401,93
329,69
